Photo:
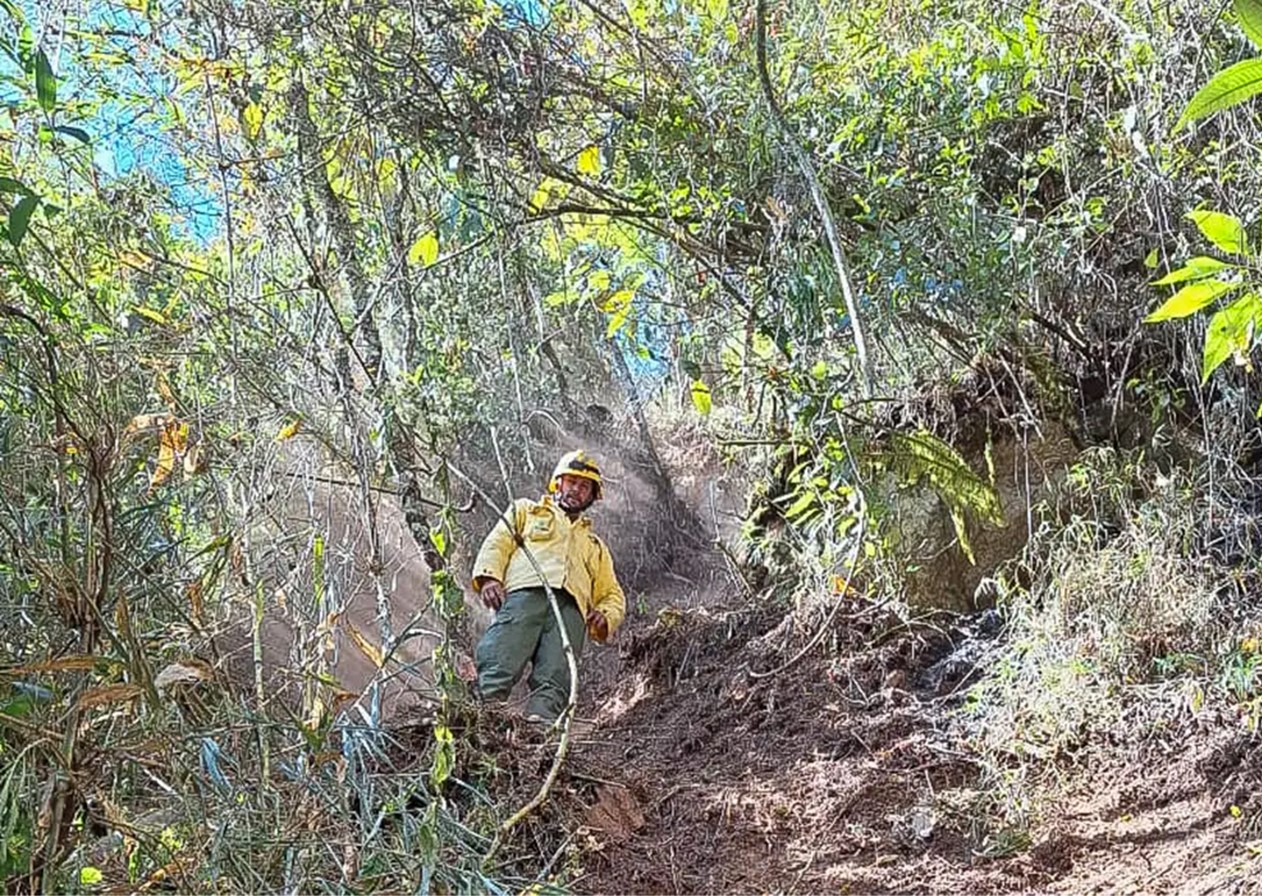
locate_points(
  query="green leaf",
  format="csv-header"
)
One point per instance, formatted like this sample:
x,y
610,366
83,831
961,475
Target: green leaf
x,y
589,161
804,502
1231,332
1249,12
961,533
1230,87
922,454
150,314
1196,269
45,82
701,398
617,320
1190,299
1150,260
9,185
1224,231
425,250
78,133
444,756
764,346
439,539
562,297
20,218
14,11
17,707
88,876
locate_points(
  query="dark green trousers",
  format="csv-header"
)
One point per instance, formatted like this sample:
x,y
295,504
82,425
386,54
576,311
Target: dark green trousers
x,y
525,631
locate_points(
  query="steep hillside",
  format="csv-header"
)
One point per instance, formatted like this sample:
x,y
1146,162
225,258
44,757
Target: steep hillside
x,y
711,767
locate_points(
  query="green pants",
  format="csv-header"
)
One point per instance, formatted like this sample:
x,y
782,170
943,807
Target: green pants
x,y
525,630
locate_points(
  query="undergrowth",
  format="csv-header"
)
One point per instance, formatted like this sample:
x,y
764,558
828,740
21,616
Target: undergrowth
x,y
1138,617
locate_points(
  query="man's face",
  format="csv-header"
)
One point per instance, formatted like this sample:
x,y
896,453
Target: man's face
x,y
575,493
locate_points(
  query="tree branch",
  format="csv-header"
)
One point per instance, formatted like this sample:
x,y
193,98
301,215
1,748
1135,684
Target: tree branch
x,y
817,195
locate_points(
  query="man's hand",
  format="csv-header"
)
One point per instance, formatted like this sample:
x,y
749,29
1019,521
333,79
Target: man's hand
x,y
597,626
492,593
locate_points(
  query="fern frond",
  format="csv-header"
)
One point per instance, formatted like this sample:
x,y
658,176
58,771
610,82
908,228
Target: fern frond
x,y
923,455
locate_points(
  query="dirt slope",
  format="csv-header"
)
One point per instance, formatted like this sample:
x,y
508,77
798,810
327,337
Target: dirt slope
x,y
848,773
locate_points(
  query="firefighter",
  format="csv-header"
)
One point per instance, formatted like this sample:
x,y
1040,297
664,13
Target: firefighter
x,y
573,561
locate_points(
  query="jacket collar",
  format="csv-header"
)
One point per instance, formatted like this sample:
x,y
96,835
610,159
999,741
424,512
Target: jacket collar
x,y
583,521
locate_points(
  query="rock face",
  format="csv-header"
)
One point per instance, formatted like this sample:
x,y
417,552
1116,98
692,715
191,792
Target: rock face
x,y
938,572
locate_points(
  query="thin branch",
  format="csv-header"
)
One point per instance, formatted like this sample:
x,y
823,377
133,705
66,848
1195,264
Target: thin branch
x,y
817,195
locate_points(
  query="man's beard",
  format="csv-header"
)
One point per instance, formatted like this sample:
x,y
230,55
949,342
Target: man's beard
x,y
568,506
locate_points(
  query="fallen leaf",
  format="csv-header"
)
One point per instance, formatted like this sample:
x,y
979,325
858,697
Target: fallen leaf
x,y
77,662
179,673
114,693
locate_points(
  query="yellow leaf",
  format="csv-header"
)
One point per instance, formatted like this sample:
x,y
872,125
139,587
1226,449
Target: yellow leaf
x,y
1236,811
164,390
369,649
701,397
252,119
617,321
539,198
589,161
619,300
172,440
135,260
89,876
425,250
289,430
144,423
156,316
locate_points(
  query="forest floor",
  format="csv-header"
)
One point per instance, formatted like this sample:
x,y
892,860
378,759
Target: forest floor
x,y
849,771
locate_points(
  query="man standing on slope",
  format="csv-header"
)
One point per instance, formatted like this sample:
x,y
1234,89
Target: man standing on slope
x,y
574,562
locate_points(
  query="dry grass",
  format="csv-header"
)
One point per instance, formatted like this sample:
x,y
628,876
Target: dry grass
x,y
1134,622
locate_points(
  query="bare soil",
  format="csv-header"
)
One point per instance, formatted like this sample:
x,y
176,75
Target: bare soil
x,y
850,772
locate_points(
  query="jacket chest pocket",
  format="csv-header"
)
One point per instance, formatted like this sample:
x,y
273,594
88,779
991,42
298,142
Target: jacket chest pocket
x,y
540,526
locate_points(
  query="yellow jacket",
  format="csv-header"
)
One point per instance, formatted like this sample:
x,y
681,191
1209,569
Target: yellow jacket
x,y
571,556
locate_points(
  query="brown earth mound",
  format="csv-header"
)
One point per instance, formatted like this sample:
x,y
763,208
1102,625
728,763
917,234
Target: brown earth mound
x,y
847,772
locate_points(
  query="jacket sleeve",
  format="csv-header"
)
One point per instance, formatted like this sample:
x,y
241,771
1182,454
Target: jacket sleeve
x,y
498,546
607,594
